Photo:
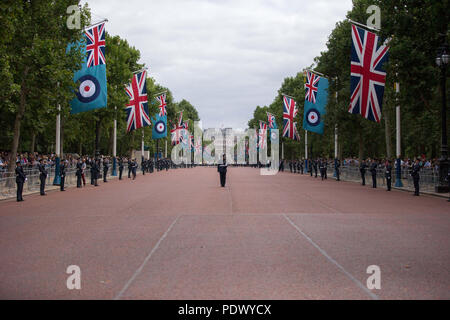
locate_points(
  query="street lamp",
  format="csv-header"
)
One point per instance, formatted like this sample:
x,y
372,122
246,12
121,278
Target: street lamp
x,y
442,61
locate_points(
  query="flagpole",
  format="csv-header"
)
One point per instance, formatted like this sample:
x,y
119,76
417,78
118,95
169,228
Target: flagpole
x,y
142,145
114,169
143,69
398,170
165,152
287,96
316,72
95,24
363,25
306,150
335,139
57,179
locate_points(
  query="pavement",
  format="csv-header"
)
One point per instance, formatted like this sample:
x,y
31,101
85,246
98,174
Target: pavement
x,y
179,235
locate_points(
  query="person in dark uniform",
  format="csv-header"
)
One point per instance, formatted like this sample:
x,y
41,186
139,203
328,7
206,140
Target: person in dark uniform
x,y
388,174
130,167
151,165
63,174
143,166
92,169
416,176
96,170
20,180
362,170
290,165
322,168
325,168
42,176
300,169
315,163
222,169
373,171
310,167
134,166
337,165
120,168
105,168
79,173
281,167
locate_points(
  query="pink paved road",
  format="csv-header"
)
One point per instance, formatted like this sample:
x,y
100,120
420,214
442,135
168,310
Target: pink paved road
x,y
178,235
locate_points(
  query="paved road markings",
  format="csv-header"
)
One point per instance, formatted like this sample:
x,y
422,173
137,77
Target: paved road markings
x,y
139,270
358,283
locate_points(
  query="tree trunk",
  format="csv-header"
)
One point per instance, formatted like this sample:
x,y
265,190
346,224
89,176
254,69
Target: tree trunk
x,y
62,138
388,134
33,142
97,136
17,122
111,140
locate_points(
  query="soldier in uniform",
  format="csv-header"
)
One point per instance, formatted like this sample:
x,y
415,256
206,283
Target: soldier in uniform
x,y
388,174
315,163
63,175
105,168
79,172
130,167
42,176
373,171
134,168
96,171
322,168
92,169
151,165
337,165
362,170
20,180
416,176
294,166
143,166
281,167
300,163
222,169
325,167
120,168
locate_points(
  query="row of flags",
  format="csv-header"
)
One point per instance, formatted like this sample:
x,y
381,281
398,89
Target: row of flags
x,y
367,84
368,79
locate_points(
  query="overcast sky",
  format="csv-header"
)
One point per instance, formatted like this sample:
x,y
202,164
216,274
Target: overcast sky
x,y
224,56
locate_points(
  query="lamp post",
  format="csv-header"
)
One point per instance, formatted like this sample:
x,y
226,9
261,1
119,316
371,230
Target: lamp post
x,y
442,61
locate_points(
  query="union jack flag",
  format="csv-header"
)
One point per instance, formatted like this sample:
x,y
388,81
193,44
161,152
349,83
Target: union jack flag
x,y
176,134
272,121
95,45
162,104
368,77
137,108
262,134
289,113
312,81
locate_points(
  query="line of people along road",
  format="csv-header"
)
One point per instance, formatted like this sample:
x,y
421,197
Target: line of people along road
x,y
321,165
96,166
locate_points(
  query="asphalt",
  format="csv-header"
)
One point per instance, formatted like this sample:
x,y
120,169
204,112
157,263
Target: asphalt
x,y
179,235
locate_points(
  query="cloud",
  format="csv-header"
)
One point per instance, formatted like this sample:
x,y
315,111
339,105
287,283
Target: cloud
x,y
225,57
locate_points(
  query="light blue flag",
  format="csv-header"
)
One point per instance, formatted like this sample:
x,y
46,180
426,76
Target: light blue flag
x,y
316,96
90,86
159,126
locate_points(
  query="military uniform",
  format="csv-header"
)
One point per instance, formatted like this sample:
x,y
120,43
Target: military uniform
x,y
79,173
63,176
96,170
134,168
222,169
120,168
388,175
337,165
92,169
42,178
315,167
105,169
362,170
416,177
20,180
373,171
130,167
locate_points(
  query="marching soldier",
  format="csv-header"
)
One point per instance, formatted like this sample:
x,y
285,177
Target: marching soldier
x,y
325,167
79,173
337,165
416,176
388,174
42,176
143,166
362,170
105,169
120,168
315,163
63,174
92,169
20,180
373,171
290,165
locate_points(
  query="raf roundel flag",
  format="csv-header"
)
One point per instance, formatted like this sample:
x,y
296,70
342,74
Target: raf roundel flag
x,y
316,95
159,126
90,80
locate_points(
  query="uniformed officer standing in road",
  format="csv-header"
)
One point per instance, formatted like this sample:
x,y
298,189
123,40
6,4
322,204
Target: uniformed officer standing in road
x,y
362,170
63,174
337,165
96,170
143,166
134,166
120,168
315,164
79,172
42,176
92,169
322,168
388,174
416,176
105,168
222,169
300,163
20,180
130,167
290,165
373,171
